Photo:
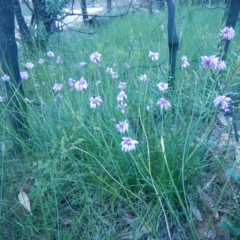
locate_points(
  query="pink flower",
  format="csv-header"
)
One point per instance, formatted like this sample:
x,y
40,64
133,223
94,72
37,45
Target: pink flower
x,y
122,106
221,65
50,54
97,82
81,84
148,109
81,64
213,62
209,62
29,65
121,96
1,99
59,60
122,127
95,57
162,86
162,27
128,144
142,77
5,78
57,87
153,56
127,65
114,74
109,70
164,104
122,85
71,82
24,75
94,102
222,101
40,61
227,33
185,63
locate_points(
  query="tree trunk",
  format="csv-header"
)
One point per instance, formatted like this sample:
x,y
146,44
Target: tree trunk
x,y
10,67
23,28
109,5
173,42
231,21
84,11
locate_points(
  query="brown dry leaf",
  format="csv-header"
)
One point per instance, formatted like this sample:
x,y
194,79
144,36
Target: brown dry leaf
x,y
196,213
222,118
208,202
24,200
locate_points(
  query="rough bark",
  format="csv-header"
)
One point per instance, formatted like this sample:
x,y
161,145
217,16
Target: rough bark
x,y
173,41
232,18
10,66
23,28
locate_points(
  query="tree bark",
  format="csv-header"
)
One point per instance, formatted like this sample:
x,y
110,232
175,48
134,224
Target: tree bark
x,y
9,64
109,5
173,42
231,21
84,11
23,28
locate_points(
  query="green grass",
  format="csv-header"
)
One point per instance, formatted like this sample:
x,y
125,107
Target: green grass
x,y
79,182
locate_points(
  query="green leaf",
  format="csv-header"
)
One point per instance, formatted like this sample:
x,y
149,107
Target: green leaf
x,y
233,228
234,176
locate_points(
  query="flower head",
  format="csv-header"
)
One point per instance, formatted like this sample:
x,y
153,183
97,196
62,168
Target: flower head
x,y
227,33
209,62
94,102
50,54
128,144
95,57
71,82
185,63
142,77
121,96
29,65
164,104
109,70
221,65
114,74
122,127
1,99
59,60
81,84
5,78
122,85
153,56
24,75
81,64
162,86
40,61
122,106
222,101
57,87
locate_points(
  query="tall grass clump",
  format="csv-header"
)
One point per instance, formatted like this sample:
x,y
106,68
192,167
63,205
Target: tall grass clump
x,y
113,152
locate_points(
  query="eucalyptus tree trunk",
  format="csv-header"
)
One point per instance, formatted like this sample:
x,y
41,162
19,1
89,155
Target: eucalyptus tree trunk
x,y
232,18
149,6
9,64
173,42
84,11
23,28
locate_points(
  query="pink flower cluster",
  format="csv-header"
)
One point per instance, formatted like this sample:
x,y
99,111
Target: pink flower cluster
x,y
163,103
227,33
112,73
222,102
213,62
154,56
185,63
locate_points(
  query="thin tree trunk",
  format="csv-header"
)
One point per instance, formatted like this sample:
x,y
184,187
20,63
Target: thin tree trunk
x,y
109,5
23,28
231,21
84,11
9,64
173,42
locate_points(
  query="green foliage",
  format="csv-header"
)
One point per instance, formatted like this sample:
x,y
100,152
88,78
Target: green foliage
x,y
55,7
233,228
85,186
